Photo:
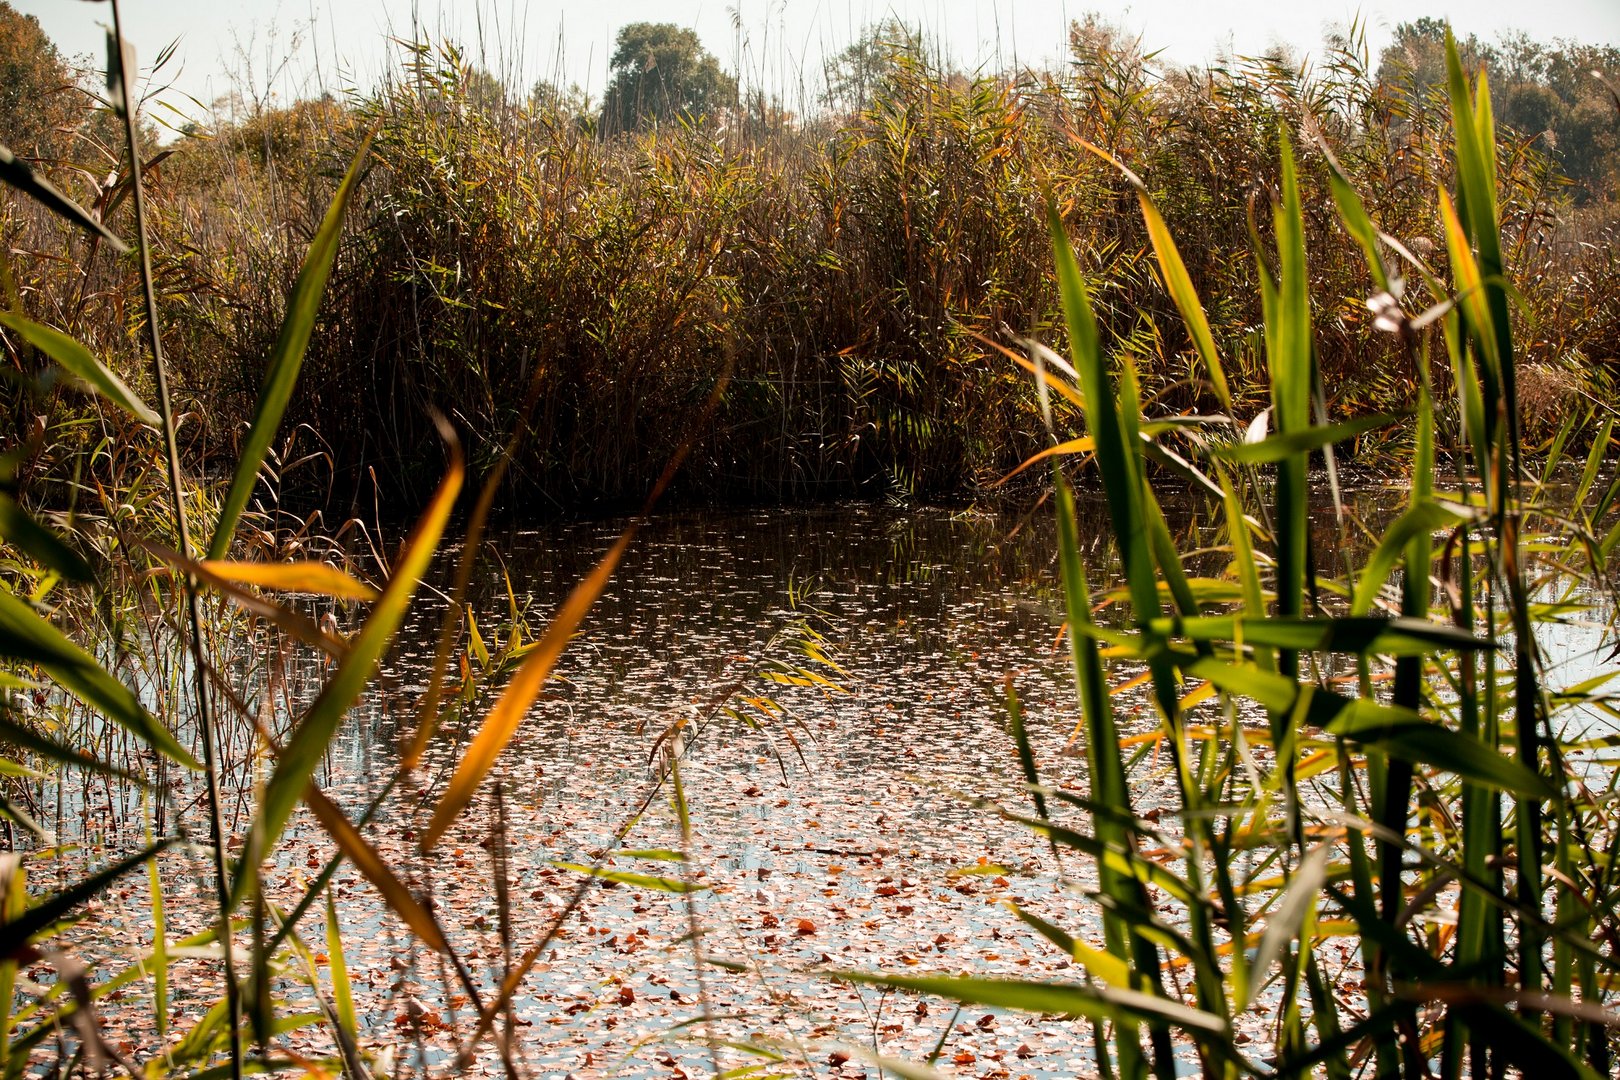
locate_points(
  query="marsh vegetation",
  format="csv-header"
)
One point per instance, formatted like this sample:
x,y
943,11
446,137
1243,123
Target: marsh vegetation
x,y
324,754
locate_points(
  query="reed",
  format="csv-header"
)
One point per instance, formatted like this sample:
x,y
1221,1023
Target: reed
x,y
1414,785
843,268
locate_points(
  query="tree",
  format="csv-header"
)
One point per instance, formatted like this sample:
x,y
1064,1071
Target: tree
x,y
36,88
887,54
572,106
662,72
1557,94
1416,60
856,75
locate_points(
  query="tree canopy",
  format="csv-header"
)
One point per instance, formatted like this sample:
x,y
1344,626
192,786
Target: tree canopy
x,y
661,72
1562,93
35,87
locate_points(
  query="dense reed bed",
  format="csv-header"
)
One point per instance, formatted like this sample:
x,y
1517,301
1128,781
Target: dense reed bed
x,y
848,271
1373,753
1374,750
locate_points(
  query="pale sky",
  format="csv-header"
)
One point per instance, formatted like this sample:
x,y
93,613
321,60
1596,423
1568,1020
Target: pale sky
x,y
337,44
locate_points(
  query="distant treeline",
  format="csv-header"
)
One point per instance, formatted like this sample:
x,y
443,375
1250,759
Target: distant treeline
x,y
592,273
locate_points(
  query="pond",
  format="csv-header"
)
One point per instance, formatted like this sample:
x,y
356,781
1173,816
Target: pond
x,y
839,677
837,833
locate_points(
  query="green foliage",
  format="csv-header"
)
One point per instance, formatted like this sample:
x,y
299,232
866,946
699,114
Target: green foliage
x,y
851,275
1559,95
862,71
662,74
36,88
1440,794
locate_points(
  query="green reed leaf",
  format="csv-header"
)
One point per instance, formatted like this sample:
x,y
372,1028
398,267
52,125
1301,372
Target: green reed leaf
x,y
287,357
18,528
627,877
1389,636
17,933
26,636
342,988
26,738
1353,215
1179,282
1443,748
77,361
1053,999
307,746
1415,524
20,175
1292,444
1298,902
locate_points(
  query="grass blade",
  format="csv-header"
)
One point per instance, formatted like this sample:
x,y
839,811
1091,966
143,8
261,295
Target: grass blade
x,y
20,175
38,542
26,636
1026,754
78,362
366,859
1293,443
303,577
1174,271
651,882
16,933
1414,526
342,990
25,738
1443,748
1061,999
307,746
1291,915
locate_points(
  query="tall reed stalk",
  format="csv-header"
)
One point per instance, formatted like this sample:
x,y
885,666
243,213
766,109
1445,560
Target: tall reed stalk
x,y
120,89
